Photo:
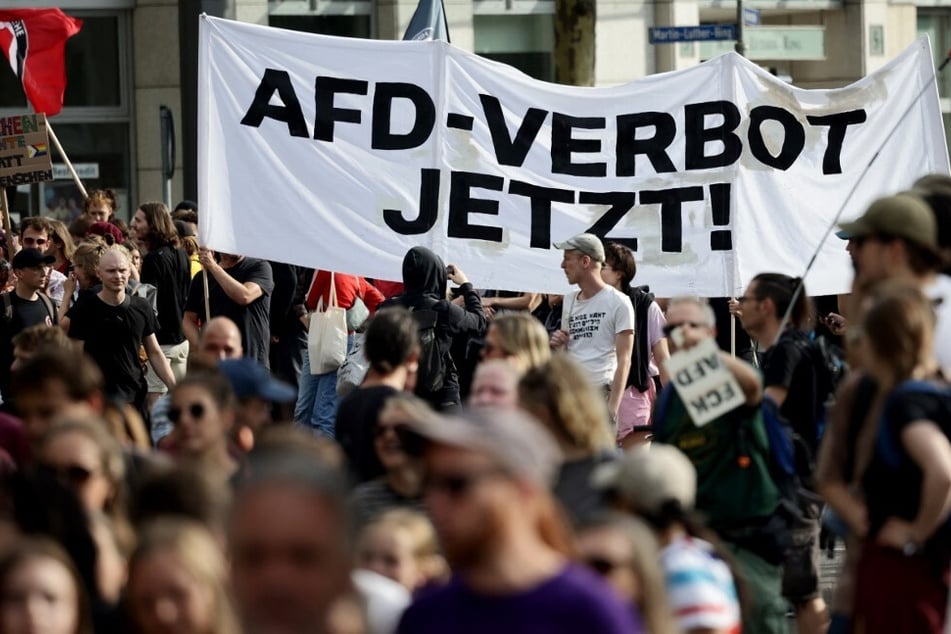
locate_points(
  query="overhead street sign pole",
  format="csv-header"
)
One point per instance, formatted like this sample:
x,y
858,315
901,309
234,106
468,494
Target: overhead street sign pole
x,y
739,47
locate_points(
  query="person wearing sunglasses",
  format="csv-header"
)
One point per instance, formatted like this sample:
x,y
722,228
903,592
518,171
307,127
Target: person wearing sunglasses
x,y
399,486
84,456
623,551
36,232
202,409
735,489
659,486
486,485
391,347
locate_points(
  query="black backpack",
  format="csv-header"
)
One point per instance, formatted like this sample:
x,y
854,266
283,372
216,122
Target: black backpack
x,y
432,364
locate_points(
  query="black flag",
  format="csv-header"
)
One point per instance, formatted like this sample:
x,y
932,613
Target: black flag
x,y
428,22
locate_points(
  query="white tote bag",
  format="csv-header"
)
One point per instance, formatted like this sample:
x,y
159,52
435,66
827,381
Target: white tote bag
x,y
327,336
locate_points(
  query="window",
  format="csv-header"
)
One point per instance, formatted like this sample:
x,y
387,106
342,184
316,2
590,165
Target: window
x,y
94,126
92,68
525,41
345,18
937,26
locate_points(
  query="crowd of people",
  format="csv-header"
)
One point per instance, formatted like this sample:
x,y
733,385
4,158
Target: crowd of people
x,y
176,455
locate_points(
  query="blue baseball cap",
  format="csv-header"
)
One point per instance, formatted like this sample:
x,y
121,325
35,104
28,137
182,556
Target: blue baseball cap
x,y
249,378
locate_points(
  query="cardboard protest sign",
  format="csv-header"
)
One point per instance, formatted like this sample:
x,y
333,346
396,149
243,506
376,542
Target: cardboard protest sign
x,y
24,150
342,154
707,388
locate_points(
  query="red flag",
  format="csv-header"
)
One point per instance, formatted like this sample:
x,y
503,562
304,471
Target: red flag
x,y
34,41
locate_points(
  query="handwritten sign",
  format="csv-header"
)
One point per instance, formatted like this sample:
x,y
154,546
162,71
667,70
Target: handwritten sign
x,y
24,150
707,388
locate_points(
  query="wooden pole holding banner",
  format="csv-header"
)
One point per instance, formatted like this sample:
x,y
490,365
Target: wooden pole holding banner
x,y
7,229
732,335
69,165
204,279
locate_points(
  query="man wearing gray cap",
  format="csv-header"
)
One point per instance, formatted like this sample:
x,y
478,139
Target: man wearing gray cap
x,y
897,237
486,485
597,320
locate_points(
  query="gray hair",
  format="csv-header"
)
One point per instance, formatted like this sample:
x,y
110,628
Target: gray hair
x,y
708,315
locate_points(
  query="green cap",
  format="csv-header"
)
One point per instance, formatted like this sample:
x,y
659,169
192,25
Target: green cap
x,y
903,215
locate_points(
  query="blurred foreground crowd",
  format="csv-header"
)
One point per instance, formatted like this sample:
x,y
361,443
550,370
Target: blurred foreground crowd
x,y
181,453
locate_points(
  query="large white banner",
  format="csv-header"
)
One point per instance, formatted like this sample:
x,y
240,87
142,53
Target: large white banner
x,y
343,154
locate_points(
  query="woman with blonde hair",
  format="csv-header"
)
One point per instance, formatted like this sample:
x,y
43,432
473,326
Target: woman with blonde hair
x,y
401,544
178,581
518,338
561,397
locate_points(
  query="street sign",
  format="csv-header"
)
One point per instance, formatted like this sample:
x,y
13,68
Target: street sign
x,y
85,171
751,17
700,33
775,43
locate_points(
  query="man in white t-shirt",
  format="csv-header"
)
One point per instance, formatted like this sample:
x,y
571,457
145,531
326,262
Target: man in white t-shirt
x,y
597,320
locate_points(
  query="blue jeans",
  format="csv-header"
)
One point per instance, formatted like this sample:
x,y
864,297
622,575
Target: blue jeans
x,y
316,406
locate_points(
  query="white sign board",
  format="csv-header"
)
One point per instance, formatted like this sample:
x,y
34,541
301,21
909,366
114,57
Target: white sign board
x,y
344,153
85,171
707,388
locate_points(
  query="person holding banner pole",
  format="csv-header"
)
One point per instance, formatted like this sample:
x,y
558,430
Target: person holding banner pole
x,y
792,372
239,288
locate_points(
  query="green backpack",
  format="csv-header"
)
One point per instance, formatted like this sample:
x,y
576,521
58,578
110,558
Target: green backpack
x,y
736,490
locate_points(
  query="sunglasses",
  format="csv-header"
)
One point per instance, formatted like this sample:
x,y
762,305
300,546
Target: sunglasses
x,y
602,565
195,410
31,241
76,475
669,328
457,485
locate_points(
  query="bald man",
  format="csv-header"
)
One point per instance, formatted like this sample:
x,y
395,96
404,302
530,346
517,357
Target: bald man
x,y
220,339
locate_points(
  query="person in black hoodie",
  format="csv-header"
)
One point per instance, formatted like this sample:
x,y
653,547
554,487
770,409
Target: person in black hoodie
x,y
424,278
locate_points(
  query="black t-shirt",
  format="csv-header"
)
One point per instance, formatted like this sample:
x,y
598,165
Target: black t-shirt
x,y
788,364
893,481
168,270
355,429
252,320
26,313
111,335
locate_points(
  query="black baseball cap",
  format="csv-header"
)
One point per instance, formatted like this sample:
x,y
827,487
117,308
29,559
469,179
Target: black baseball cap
x,y
31,258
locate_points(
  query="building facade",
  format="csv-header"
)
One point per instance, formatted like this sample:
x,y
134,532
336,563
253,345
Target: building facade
x,y
134,56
